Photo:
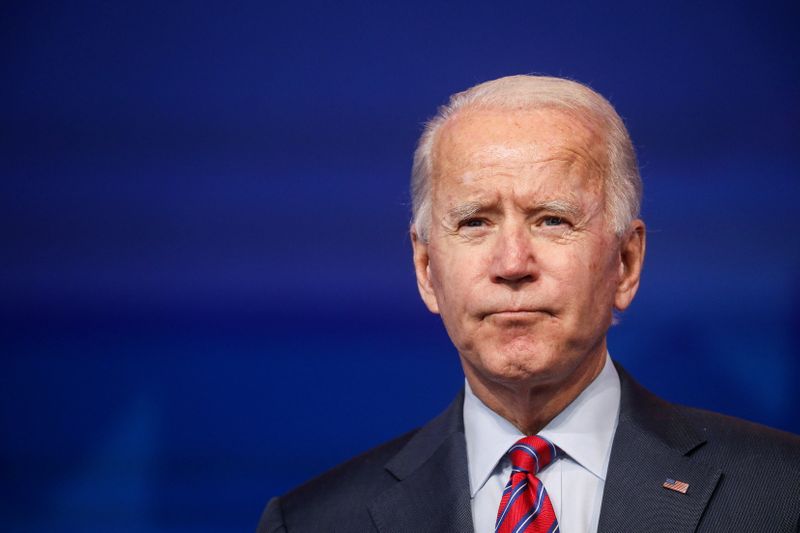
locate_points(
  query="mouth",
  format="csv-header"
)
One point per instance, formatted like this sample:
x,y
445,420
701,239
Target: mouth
x,y
517,314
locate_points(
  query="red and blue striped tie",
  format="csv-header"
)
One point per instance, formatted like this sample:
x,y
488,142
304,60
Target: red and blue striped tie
x,y
525,506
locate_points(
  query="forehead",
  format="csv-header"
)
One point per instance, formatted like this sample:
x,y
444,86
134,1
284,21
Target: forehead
x,y
478,142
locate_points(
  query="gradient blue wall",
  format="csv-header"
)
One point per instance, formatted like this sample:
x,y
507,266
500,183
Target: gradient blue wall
x,y
206,288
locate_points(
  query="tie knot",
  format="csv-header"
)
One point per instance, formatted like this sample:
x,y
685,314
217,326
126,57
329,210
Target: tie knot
x,y
532,454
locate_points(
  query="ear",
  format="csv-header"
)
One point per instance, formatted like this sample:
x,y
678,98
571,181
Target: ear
x,y
422,267
631,258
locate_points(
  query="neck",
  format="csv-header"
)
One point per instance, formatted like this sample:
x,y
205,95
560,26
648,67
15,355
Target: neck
x,y
531,404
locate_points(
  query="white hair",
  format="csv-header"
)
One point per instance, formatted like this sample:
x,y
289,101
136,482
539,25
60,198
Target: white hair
x,y
623,184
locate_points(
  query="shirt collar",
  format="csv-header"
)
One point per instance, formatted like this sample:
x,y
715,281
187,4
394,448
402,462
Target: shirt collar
x,y
584,430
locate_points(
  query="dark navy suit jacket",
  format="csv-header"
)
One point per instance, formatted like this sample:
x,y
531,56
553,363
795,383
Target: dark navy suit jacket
x,y
741,476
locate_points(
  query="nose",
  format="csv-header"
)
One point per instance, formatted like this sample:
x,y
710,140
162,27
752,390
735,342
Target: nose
x,y
513,260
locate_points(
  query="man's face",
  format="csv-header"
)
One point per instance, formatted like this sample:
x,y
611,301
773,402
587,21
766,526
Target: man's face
x,y
521,262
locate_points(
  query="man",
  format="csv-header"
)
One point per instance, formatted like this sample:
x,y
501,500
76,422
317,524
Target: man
x,y
526,240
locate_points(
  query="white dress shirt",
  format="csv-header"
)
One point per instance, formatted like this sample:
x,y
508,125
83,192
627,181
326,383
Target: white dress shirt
x,y
584,431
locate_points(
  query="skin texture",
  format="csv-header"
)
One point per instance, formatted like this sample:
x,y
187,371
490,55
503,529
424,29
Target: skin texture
x,y
521,262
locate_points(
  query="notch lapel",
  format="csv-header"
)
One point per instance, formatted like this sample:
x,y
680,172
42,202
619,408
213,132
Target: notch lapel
x,y
652,444
432,492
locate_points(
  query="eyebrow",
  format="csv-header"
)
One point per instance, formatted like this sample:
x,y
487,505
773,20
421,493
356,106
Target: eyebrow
x,y
462,211
468,209
559,206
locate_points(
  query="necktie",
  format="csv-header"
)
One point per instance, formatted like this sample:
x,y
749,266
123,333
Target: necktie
x,y
525,505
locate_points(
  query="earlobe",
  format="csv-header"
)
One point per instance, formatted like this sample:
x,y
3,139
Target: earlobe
x,y
422,268
631,258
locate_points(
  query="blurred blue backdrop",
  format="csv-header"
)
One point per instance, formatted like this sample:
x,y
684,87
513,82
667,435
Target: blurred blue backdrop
x,y
205,267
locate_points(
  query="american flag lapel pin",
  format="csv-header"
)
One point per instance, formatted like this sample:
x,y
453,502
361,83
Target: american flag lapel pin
x,y
677,486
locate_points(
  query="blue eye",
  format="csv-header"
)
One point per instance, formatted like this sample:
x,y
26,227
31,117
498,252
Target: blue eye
x,y
473,223
553,221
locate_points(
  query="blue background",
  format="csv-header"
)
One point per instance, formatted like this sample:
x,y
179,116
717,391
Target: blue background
x,y
206,288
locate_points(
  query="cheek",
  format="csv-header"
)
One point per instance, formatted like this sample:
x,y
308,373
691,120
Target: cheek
x,y
602,274
584,275
443,280
455,277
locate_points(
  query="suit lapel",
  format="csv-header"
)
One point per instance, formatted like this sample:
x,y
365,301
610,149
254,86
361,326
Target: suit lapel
x,y
432,493
653,443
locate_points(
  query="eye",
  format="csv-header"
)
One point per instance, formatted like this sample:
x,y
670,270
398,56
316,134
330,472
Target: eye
x,y
473,223
553,221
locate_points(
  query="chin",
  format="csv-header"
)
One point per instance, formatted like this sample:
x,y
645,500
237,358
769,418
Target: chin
x,y
521,362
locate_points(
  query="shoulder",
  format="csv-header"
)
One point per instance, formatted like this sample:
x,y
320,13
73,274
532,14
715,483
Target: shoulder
x,y
698,432
338,496
743,476
759,471
744,434
740,446
360,476
752,471
340,499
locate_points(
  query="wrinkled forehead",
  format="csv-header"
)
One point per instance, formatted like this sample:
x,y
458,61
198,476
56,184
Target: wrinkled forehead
x,y
476,141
